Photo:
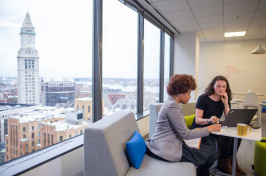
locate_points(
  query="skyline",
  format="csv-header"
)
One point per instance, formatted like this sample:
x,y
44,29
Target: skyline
x,y
64,40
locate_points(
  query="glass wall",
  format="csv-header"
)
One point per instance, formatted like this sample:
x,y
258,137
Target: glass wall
x,y
151,64
119,86
45,73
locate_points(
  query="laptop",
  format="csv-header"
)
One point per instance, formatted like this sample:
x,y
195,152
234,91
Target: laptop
x,y
236,116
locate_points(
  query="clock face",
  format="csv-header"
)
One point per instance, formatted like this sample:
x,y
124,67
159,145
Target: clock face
x,y
28,39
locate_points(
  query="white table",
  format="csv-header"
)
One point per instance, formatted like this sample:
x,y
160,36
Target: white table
x,y
255,135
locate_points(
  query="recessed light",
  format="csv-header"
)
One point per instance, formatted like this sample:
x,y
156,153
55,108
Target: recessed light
x,y
234,34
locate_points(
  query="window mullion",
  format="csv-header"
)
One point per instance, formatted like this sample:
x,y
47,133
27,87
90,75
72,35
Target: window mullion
x,y
140,63
97,60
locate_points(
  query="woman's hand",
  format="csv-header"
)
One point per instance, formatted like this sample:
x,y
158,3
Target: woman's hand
x,y
214,119
214,128
224,98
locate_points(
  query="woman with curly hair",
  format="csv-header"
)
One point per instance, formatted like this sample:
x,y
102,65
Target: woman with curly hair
x,y
209,108
167,142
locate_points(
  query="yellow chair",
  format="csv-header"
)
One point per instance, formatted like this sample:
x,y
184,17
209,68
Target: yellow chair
x,y
260,158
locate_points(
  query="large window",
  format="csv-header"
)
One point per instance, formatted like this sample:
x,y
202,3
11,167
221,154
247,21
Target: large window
x,y
46,69
45,58
119,87
151,64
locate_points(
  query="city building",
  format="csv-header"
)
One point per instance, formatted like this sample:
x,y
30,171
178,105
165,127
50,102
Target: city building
x,y
84,105
8,110
41,127
28,65
24,134
57,90
52,133
12,99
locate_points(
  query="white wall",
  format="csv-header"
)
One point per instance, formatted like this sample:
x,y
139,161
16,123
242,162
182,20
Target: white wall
x,y
233,60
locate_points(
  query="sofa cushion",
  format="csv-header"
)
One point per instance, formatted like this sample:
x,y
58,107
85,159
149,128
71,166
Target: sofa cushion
x,y
152,166
189,120
136,149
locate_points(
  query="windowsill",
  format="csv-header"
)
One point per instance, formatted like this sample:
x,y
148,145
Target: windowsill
x,y
37,158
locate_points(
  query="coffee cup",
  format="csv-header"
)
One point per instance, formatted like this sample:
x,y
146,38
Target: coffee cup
x,y
242,129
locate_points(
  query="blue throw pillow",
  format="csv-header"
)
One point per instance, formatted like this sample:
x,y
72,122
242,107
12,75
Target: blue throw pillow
x,y
136,149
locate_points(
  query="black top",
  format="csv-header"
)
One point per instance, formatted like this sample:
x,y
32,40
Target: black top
x,y
210,108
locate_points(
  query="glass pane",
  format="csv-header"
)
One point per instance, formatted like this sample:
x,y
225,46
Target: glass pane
x,y
119,57
166,64
45,68
151,64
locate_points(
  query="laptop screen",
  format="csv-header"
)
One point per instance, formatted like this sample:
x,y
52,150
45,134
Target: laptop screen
x,y
236,116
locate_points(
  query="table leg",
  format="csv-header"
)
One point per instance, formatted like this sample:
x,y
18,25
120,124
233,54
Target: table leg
x,y
234,157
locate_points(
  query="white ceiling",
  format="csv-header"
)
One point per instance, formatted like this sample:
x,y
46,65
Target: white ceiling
x,y
212,18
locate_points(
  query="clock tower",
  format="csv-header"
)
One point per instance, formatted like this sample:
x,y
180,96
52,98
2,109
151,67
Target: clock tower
x,y
28,65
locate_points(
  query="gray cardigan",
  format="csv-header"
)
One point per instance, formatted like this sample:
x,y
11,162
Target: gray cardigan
x,y
170,131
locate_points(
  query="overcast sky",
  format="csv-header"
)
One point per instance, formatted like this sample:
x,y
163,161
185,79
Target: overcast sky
x,y
64,38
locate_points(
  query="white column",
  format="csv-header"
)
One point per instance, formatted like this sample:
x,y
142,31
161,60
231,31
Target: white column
x,y
186,56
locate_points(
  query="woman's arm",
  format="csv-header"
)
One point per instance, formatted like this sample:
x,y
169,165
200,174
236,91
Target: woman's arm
x,y
226,104
199,118
226,109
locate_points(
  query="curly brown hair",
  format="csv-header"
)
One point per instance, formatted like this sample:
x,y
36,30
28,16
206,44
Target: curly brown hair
x,y
181,83
209,90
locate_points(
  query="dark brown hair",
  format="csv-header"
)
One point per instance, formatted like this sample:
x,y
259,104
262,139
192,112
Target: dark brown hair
x,y
180,83
209,90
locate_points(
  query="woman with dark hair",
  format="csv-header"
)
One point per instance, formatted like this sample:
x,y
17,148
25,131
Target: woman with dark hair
x,y
209,109
167,142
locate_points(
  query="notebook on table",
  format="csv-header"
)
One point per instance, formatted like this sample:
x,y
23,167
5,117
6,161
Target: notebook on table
x,y
236,116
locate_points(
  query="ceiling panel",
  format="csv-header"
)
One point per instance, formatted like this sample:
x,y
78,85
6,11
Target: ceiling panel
x,y
208,11
181,14
258,22
210,19
236,1
233,24
238,16
211,26
186,29
172,5
213,32
185,22
260,14
262,5
240,7
157,0
204,3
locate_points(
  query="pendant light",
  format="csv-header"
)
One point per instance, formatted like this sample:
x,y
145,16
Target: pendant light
x,y
259,49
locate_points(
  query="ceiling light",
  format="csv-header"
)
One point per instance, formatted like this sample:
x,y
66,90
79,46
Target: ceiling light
x,y
259,49
234,34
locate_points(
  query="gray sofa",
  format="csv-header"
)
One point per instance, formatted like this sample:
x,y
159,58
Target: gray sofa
x,y
104,150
